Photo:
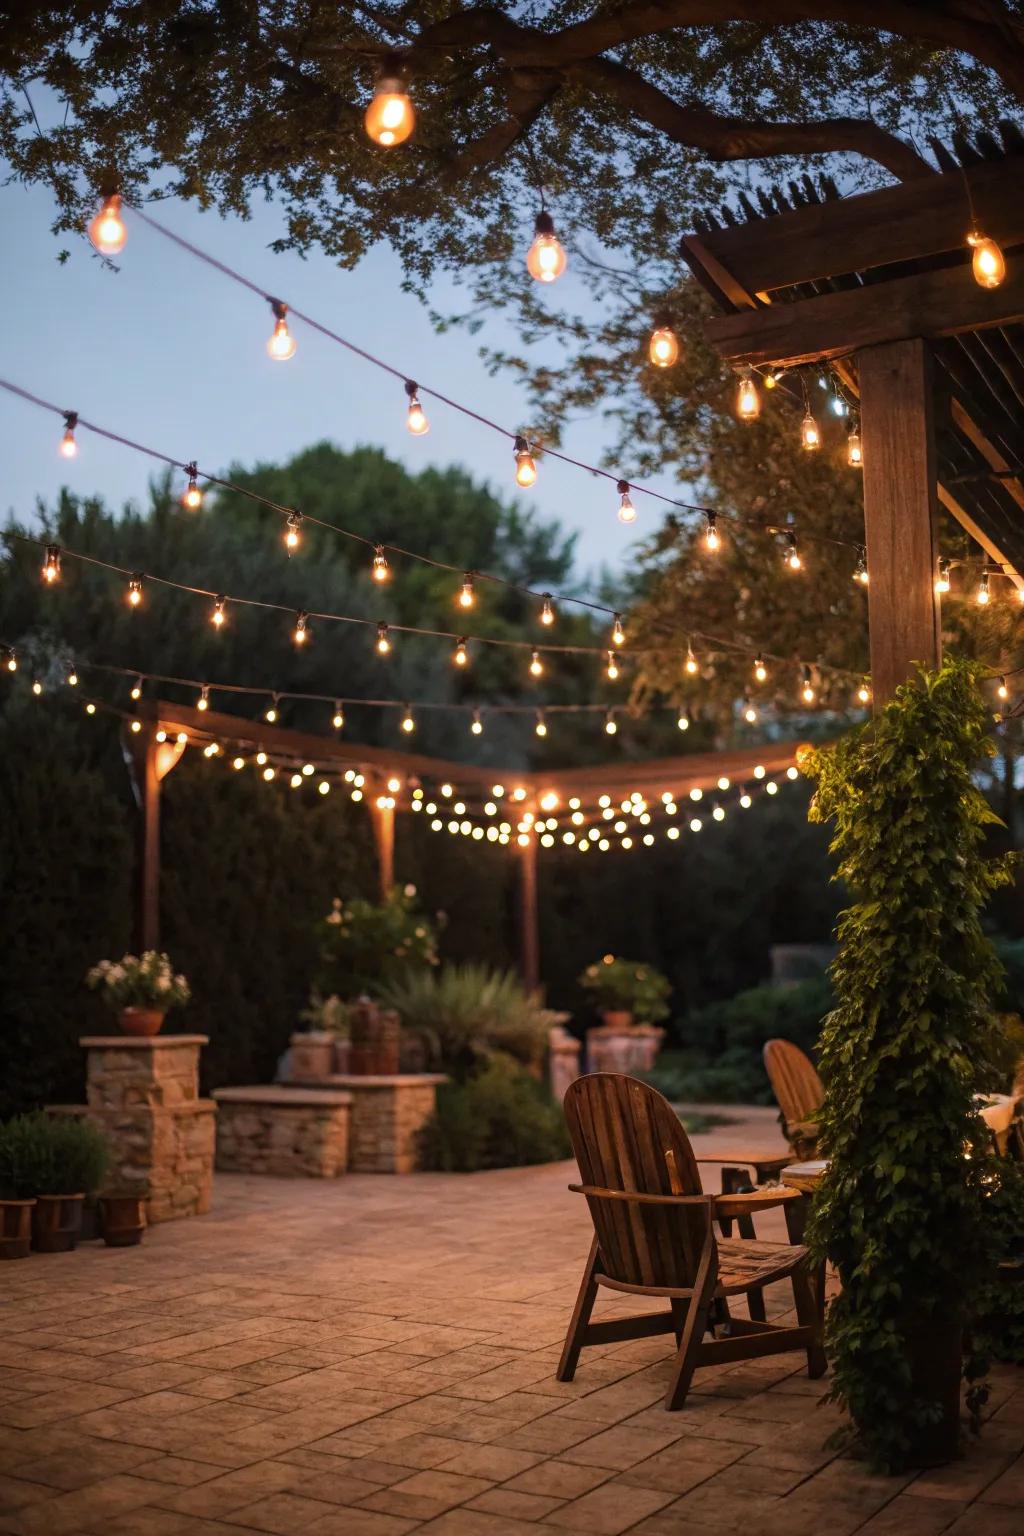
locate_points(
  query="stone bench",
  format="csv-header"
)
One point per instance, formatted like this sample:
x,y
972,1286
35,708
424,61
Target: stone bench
x,y
288,1132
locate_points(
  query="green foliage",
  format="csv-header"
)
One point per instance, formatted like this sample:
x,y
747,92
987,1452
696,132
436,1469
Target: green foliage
x,y
997,1324
51,1155
627,984
899,1213
466,1013
365,945
139,981
501,1118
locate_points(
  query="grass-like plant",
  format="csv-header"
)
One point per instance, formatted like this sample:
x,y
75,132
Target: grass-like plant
x,y
465,1013
51,1155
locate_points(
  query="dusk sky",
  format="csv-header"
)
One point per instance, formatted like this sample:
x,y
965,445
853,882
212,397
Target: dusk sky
x,y
171,353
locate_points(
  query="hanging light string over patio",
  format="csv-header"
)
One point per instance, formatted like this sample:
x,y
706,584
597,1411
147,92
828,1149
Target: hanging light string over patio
x,y
524,447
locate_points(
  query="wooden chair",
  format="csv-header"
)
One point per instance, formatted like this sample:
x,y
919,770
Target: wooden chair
x,y
654,1235
799,1093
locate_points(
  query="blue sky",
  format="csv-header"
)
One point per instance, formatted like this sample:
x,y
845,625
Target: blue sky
x,y
171,353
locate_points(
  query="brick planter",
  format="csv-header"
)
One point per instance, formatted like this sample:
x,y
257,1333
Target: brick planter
x,y
288,1132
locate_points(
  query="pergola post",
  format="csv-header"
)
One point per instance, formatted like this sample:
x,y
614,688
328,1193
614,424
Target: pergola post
x,y
382,818
529,933
898,431
149,846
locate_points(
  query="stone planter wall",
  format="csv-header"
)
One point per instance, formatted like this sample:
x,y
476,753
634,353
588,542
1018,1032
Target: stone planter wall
x,y
388,1113
288,1132
629,1050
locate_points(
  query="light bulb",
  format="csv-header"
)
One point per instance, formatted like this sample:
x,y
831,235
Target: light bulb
x,y
691,661
748,399
460,655
988,262
416,416
51,564
467,593
749,712
942,579
545,260
203,701
683,720
983,592
68,446
261,758
408,723
547,612
136,687
107,231
807,691
541,727
663,348
1002,691
389,119
338,720
300,633
281,345
536,665
810,433
218,617
792,555
760,670
612,668
73,676
610,724
618,633
861,571
477,726
854,450
864,692
292,537
627,511
134,591
238,763
526,468
270,714
269,774
711,538
193,497
37,689
383,642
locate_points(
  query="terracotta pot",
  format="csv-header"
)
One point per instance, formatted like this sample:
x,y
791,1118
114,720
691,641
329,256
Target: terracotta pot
x,y
142,1021
124,1220
617,1018
935,1350
56,1222
15,1228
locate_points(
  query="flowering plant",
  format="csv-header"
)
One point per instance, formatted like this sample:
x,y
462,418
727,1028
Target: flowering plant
x,y
139,981
365,944
627,984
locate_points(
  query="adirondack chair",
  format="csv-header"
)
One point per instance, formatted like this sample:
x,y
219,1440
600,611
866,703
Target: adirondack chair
x,y
799,1093
654,1235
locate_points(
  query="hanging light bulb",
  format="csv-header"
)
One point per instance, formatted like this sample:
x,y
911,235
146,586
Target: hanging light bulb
x,y
536,665
807,691
760,670
854,448
983,594
338,719
10,660
526,468
610,723
545,260
218,618
136,691
749,712
748,399
467,592
861,570
281,345
193,497
792,553
612,669
383,640
72,676
618,633
270,713
864,692
547,612
292,536
460,656
107,231
627,511
540,726
68,446
988,262
300,634
134,590
942,579
389,119
379,568
477,726
416,417
711,538
1002,691
408,723
691,660
810,432
51,564
203,701
663,347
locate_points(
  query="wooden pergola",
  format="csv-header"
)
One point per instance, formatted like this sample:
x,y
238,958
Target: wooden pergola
x,y
156,749
880,286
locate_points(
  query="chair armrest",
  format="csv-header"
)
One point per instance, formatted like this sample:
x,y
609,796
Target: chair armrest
x,y
594,1191
731,1206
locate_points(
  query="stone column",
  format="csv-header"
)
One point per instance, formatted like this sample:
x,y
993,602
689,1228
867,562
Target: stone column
x,y
144,1093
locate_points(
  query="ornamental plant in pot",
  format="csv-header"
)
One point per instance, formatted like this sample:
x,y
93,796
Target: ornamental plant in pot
x,y
140,989
626,992
900,1212
16,1199
53,1162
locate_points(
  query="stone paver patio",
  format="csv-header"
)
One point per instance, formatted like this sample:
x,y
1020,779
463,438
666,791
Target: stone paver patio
x,y
376,1356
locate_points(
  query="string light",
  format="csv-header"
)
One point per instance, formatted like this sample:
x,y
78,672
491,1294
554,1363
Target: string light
x,y
1002,691
408,722
270,713
536,665
338,719
810,433
792,553
51,564
300,633
203,701
864,692
136,691
749,712
540,725
683,720
627,511
612,669
281,345
982,595
547,613
68,445
987,262
546,259
618,633
691,663
193,497
134,591
711,538
460,656
106,230
477,726
861,570
390,118
854,449
383,640
416,416
663,348
760,670
610,725
72,676
218,618
292,536
807,692
526,468
136,725
942,579
748,399
238,763
467,592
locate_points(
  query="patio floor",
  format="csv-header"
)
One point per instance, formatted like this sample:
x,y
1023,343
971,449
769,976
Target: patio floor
x,y
376,1356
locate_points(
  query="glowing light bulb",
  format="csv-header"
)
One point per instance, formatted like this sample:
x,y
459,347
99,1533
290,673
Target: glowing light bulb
x,y
536,665
546,259
748,399
383,642
749,712
760,670
477,725
810,433
390,118
270,713
68,445
547,612
338,719
261,758
792,553
238,763
134,591
610,725
526,468
618,633
281,345
460,656
193,497
854,449
942,579
37,689
807,691
136,688
107,231
408,723
416,417
51,564
73,676
711,537
540,727
324,787
218,618
612,669
627,511
746,801
300,634
467,592
203,701
861,570
864,692
988,262
691,661
90,708
1002,691
292,536
269,773
982,595
683,720
663,347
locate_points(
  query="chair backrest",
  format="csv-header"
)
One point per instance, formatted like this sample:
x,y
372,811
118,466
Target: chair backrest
x,y
796,1085
627,1138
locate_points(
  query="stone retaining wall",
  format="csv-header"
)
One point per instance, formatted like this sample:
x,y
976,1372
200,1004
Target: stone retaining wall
x,y
288,1132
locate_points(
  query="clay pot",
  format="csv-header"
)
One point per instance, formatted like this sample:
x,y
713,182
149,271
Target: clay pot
x,y
617,1018
15,1228
56,1223
124,1220
142,1021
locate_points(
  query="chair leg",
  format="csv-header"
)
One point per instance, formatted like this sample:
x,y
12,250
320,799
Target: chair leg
x,y
688,1353
809,1295
755,1305
579,1320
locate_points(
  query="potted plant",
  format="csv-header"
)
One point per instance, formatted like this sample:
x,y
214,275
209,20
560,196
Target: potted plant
x,y
122,1218
626,992
366,945
52,1163
140,989
322,1048
16,1201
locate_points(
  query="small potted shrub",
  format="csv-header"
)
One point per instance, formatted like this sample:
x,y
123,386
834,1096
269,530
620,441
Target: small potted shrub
x,y
140,989
626,992
16,1201
73,1156
366,945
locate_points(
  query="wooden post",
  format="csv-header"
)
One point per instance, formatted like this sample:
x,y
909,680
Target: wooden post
x,y
898,431
149,861
382,818
529,941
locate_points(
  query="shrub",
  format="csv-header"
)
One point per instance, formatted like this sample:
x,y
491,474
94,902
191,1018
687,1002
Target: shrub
x,y
501,1118
51,1155
365,945
464,1013
627,984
